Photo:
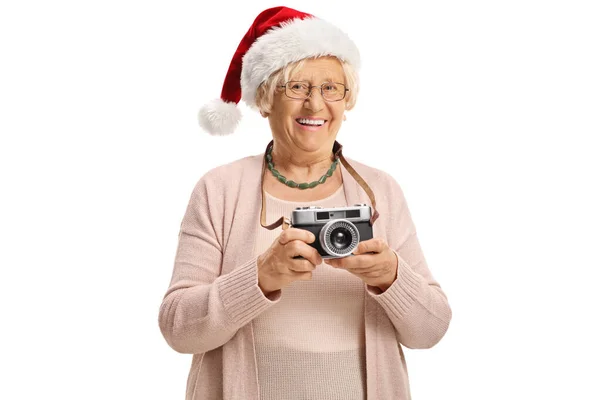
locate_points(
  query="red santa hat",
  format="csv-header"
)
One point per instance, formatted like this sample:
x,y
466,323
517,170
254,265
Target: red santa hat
x,y
278,36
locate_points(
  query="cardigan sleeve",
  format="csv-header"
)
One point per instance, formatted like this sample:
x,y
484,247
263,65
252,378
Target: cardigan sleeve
x,y
415,302
203,309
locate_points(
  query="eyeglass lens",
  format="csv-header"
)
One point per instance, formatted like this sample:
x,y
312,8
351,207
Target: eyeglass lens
x,y
301,90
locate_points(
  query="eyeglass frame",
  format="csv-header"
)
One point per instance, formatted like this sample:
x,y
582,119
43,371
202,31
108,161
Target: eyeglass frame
x,y
310,88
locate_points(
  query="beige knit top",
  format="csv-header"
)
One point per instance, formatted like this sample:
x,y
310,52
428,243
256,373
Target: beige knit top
x,y
311,344
213,298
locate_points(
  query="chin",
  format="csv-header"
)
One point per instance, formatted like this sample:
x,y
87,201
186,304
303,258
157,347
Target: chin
x,y
308,143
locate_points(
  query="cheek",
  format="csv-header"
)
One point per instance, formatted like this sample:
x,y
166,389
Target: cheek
x,y
338,114
289,110
339,108
282,112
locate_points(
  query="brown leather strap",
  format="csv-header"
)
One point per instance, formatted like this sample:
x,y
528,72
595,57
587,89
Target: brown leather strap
x,y
285,221
365,186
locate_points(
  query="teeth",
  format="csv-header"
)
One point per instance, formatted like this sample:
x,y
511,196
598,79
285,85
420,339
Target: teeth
x,y
316,122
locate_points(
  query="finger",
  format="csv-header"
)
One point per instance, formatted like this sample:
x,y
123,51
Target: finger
x,y
334,262
298,248
291,234
301,265
330,261
372,274
358,263
375,245
302,276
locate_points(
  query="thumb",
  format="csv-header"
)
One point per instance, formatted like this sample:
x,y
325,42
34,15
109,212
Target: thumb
x,y
359,249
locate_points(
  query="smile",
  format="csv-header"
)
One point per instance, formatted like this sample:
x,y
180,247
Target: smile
x,y
311,122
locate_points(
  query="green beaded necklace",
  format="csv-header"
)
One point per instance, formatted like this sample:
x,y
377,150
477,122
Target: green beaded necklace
x,y
293,184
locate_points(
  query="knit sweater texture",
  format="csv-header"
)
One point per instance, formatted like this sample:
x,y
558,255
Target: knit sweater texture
x,y
213,298
310,344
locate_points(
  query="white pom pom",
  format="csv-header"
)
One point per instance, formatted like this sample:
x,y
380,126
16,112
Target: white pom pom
x,y
219,118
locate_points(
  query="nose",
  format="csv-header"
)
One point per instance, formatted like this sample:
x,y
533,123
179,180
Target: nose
x,y
314,102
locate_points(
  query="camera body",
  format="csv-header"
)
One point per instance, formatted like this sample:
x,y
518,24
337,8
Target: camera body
x,y
337,230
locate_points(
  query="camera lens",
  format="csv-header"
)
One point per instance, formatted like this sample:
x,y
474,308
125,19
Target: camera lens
x,y
341,238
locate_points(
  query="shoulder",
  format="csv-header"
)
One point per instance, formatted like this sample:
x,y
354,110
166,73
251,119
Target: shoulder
x,y
235,168
377,179
229,175
389,195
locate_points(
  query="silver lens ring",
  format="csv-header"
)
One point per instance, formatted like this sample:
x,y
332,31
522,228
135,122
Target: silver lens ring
x,y
325,234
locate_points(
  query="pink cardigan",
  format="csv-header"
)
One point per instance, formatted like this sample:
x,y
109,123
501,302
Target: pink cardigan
x,y
213,296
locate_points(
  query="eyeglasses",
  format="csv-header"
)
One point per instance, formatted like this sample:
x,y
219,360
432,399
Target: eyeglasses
x,y
331,91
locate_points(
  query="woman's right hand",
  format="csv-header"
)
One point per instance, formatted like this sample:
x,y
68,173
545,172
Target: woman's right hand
x,y
277,266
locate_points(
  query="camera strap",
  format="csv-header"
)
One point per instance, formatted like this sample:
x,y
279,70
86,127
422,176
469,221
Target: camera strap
x,y
284,221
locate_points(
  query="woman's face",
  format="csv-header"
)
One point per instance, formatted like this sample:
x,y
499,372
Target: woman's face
x,y
288,116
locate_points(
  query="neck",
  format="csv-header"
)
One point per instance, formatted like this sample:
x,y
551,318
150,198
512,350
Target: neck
x,y
299,165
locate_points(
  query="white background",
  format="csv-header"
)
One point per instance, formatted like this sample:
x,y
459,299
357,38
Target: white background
x,y
486,113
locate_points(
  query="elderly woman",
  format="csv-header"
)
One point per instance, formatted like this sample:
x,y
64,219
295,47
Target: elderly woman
x,y
264,312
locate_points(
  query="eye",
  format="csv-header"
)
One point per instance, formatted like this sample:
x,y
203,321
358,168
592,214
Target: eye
x,y
330,87
298,86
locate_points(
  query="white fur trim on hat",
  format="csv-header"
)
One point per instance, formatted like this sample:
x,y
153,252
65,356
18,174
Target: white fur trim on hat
x,y
293,41
219,118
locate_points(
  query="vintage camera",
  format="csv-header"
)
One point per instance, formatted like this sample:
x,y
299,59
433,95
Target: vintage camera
x,y
337,230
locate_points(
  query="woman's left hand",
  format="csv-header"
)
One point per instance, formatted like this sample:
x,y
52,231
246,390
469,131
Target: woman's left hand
x,y
373,262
